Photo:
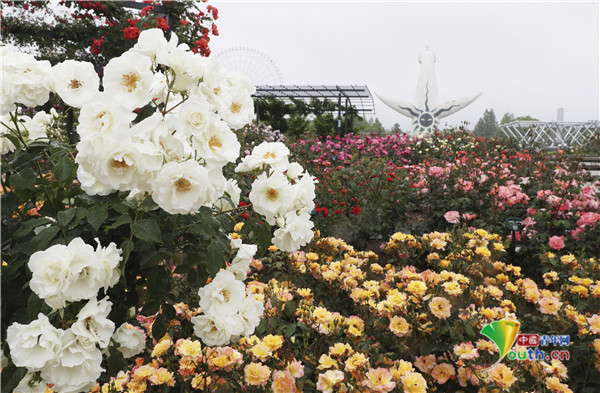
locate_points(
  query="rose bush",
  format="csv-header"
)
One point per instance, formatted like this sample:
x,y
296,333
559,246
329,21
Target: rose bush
x,y
145,182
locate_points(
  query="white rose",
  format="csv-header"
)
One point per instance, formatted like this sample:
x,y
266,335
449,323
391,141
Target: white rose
x,y
109,258
6,146
129,79
296,232
27,75
274,154
232,189
251,311
152,43
75,368
294,170
50,274
37,125
131,340
239,270
271,196
218,145
194,116
304,193
86,274
216,330
33,345
236,107
237,79
188,67
76,82
184,187
25,386
7,94
92,326
104,116
112,162
223,296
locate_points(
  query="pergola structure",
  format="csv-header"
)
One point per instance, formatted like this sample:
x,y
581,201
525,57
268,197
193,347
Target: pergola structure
x,y
551,135
358,97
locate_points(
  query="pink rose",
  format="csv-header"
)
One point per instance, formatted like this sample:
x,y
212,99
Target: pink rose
x,y
453,217
588,219
557,242
436,171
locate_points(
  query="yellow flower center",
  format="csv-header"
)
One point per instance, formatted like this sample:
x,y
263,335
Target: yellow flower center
x,y
214,142
226,294
183,185
270,155
75,84
272,194
119,164
130,81
235,107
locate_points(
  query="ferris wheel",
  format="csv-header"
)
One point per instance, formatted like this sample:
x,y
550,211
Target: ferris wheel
x,y
251,62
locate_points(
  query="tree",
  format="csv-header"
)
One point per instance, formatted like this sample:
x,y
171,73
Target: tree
x,y
487,126
97,31
507,118
396,129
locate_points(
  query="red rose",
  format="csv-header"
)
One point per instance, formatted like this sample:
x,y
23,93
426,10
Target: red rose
x,y
557,242
355,210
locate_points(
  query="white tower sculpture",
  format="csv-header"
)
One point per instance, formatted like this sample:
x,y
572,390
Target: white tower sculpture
x,y
426,112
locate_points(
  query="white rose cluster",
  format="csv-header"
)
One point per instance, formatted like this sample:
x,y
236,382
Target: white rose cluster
x,y
70,359
73,272
283,193
177,154
227,310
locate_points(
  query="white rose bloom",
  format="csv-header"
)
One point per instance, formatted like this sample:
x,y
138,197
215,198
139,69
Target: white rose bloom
x,y
294,170
33,345
251,311
75,368
103,116
27,75
216,330
213,81
6,146
128,78
25,387
92,326
131,340
245,253
304,191
114,163
232,189
223,296
188,67
271,196
51,274
7,94
90,184
152,43
218,144
109,258
37,125
159,87
194,116
296,232
86,273
237,79
236,107
274,154
76,82
239,270
184,187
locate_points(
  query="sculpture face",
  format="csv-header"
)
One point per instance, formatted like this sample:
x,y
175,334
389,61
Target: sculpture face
x,y
426,120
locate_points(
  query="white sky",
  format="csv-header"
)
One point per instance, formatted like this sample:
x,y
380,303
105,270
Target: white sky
x,y
526,58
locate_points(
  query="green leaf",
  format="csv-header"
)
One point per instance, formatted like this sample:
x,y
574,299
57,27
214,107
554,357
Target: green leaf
x,y
41,241
66,216
127,247
215,259
262,327
97,215
263,236
159,328
34,306
290,330
469,330
119,207
147,230
121,220
116,362
24,179
168,311
289,309
11,376
30,225
148,204
63,171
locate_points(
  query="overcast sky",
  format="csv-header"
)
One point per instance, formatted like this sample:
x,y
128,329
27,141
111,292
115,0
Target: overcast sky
x,y
526,58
